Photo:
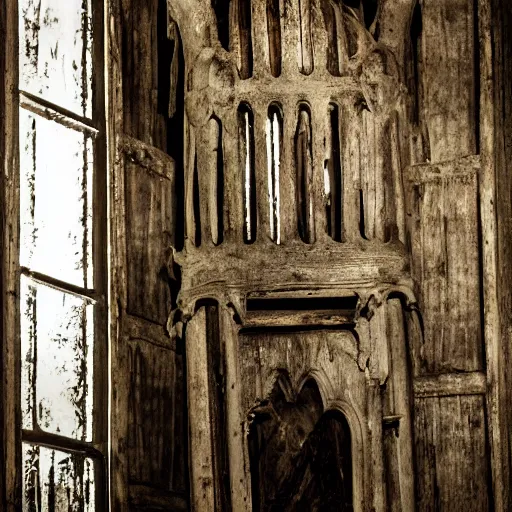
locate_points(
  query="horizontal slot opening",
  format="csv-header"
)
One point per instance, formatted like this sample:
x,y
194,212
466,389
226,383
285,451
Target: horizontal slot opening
x,y
303,304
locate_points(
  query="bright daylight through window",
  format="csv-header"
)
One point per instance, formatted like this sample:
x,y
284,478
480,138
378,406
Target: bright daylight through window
x,y
62,255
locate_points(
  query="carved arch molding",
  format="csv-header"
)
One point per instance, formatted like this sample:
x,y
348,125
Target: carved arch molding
x,y
295,303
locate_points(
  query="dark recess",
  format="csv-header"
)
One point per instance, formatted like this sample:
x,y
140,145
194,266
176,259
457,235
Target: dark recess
x,y
303,304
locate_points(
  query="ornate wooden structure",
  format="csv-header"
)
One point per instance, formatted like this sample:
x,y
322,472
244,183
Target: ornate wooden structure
x,y
309,254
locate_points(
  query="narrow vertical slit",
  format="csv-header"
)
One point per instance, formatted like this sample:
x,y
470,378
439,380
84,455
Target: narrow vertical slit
x,y
329,14
216,385
304,166
274,131
369,11
217,182
333,175
244,21
362,228
274,36
305,43
221,9
197,207
171,90
247,170
415,33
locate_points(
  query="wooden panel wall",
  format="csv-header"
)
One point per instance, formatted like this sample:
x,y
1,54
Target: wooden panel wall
x,y
155,417
449,77
145,62
445,264
148,233
452,456
149,435
451,433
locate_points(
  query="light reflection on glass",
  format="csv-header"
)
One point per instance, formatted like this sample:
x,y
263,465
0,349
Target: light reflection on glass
x,y
55,200
57,481
55,52
57,361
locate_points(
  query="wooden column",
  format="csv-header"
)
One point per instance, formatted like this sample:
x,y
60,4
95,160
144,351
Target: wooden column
x,y
495,22
239,465
199,407
11,474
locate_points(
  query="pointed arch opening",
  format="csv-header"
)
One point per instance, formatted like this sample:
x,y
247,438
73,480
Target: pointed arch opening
x,y
300,455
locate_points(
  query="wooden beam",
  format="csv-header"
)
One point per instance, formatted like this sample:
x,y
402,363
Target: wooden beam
x,y
450,384
496,392
10,357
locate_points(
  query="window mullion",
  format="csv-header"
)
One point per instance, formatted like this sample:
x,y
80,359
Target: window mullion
x,y
90,295
63,443
54,112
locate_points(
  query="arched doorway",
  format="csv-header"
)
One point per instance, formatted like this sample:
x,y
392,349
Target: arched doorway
x,y
300,454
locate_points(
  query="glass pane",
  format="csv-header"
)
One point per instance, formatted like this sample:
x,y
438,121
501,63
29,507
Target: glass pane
x,y
55,200
57,481
55,52
57,361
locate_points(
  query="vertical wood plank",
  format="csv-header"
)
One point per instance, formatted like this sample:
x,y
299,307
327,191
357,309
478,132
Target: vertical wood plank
x,y
451,454
10,354
291,36
445,219
118,358
201,463
494,26
351,162
239,466
148,227
288,184
448,54
234,220
374,418
260,39
399,404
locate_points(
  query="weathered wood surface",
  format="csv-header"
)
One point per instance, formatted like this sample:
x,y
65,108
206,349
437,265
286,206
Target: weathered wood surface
x,y
450,384
330,359
117,303
238,456
449,75
149,436
149,230
156,417
443,207
146,61
10,419
495,23
397,403
451,450
451,454
202,485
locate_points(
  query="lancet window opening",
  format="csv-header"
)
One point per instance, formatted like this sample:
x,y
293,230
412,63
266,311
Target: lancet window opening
x,y
247,170
274,134
304,177
333,175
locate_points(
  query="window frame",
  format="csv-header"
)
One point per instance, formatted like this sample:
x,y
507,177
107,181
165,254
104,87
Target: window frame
x,y
11,100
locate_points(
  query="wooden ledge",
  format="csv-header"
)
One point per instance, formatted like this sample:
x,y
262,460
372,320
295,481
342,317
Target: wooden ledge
x,y
460,168
258,267
450,384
